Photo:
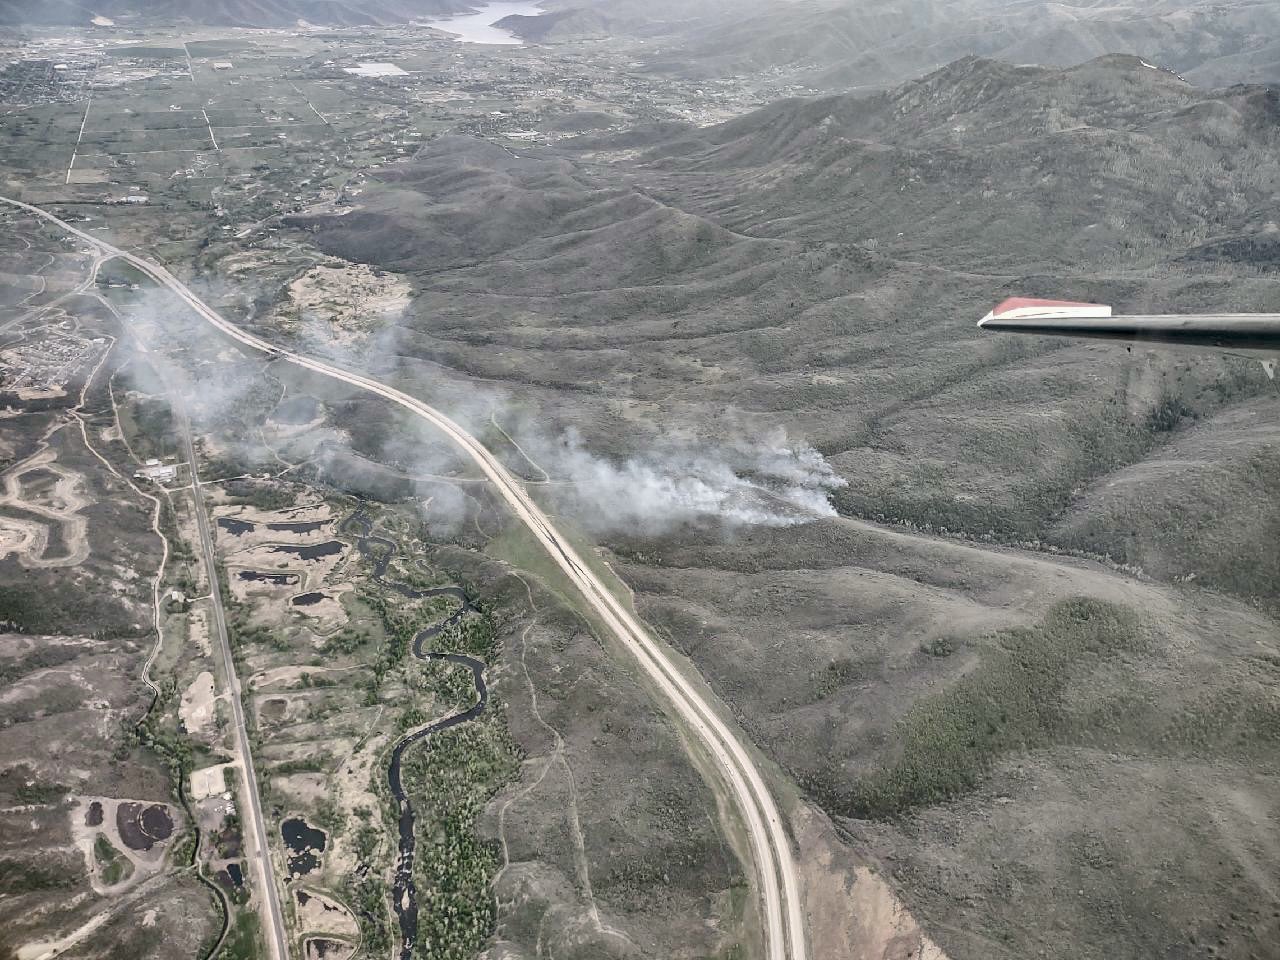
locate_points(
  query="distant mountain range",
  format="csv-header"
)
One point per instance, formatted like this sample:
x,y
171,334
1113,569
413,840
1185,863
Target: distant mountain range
x,y
564,18
987,162
825,44
848,43
232,13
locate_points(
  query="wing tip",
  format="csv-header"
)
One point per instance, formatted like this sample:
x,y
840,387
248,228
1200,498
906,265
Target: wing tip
x,y
1013,308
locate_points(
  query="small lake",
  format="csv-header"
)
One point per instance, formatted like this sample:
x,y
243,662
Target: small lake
x,y
278,579
479,27
299,526
235,527
311,552
305,844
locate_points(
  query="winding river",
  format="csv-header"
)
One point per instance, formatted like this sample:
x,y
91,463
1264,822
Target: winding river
x,y
404,894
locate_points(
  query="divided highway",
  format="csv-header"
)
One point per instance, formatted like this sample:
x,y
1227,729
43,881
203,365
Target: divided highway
x,y
771,849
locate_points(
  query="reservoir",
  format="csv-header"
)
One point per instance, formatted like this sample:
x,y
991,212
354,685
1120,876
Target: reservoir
x,y
479,27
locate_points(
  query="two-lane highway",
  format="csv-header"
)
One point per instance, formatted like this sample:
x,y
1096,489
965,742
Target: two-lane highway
x,y
250,799
777,877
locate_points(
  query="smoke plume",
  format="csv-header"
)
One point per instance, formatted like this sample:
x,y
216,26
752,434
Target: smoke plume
x,y
770,482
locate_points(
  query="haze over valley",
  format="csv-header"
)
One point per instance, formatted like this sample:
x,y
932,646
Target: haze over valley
x,y
512,480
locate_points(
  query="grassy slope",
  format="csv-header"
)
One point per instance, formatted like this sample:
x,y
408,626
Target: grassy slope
x,y
753,275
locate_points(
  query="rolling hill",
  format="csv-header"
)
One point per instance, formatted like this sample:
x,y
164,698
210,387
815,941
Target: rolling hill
x,y
841,44
836,252
963,667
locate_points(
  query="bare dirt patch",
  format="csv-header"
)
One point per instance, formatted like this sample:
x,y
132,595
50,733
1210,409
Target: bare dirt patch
x,y
109,824
289,676
853,912
241,526
273,710
198,703
23,538
352,299
320,914
305,787
198,626
282,563
55,497
247,581
209,781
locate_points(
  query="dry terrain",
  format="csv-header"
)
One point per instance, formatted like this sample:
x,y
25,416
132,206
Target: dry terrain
x,y
93,839
998,617
955,673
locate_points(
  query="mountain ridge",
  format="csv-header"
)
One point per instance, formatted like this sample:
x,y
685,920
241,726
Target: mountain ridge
x,y
815,269
228,13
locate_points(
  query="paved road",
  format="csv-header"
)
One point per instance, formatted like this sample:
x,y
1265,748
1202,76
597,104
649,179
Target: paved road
x,y
775,864
251,811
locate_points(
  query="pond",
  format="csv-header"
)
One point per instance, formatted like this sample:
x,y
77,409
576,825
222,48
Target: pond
x,y
299,526
305,844
313,552
278,579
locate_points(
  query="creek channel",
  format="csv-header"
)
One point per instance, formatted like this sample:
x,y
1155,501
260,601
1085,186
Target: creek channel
x,y
404,894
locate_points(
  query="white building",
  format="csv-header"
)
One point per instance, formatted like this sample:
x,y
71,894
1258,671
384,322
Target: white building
x,y
157,472
376,70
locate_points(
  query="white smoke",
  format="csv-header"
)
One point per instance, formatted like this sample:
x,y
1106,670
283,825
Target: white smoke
x,y
747,475
774,483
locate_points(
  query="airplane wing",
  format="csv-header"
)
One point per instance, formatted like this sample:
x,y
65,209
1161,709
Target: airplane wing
x,y
1243,333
